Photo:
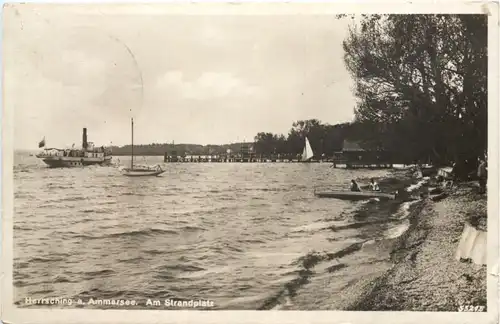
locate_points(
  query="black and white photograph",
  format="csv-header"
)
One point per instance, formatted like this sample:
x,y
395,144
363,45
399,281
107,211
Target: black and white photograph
x,y
167,160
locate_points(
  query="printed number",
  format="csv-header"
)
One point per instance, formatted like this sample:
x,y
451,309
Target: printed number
x,y
470,308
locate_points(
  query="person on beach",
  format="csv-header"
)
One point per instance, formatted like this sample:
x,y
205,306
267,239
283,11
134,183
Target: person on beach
x,y
418,173
355,186
481,173
374,185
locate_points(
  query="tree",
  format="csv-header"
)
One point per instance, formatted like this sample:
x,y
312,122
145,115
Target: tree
x,y
421,81
269,143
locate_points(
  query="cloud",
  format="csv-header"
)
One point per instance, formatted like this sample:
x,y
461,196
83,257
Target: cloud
x,y
221,78
210,85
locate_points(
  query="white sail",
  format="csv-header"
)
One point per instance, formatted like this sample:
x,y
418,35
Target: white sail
x,y
308,152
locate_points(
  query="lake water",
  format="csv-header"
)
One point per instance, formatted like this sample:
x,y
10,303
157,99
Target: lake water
x,y
246,236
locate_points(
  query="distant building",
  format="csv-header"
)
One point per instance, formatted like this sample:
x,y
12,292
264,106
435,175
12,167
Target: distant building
x,y
349,146
246,152
171,157
353,153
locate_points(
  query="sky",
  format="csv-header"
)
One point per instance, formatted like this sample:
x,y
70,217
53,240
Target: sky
x,y
199,79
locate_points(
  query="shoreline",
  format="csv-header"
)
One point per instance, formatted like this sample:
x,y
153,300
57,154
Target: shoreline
x,y
425,276
417,270
317,287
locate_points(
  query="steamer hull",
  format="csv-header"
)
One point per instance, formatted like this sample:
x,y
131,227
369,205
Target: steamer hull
x,y
68,162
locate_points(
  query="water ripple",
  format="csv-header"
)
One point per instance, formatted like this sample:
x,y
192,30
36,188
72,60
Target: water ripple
x,y
244,235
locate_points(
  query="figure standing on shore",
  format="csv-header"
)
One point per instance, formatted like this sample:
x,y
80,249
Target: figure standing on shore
x,y
418,173
482,175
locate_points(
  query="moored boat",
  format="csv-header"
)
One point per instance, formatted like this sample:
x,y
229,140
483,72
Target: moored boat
x,y
140,170
354,195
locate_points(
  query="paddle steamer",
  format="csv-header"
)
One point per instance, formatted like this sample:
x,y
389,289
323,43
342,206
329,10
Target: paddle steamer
x,y
67,158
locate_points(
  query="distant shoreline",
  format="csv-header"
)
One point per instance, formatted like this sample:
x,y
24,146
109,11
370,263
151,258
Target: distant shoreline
x,y
160,149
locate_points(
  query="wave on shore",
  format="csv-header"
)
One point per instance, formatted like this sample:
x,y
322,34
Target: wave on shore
x,y
392,218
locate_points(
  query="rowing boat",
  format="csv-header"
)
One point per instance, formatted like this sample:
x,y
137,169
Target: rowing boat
x,y
354,195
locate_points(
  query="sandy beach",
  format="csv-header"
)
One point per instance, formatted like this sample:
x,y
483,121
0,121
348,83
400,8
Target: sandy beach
x,y
425,275
416,270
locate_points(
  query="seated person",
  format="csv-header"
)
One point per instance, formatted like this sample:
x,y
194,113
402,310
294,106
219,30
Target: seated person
x,y
354,186
374,185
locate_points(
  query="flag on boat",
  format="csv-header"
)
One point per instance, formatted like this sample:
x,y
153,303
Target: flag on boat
x,y
41,143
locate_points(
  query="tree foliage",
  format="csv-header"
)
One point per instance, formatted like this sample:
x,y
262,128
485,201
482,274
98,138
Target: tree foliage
x,y
422,83
325,139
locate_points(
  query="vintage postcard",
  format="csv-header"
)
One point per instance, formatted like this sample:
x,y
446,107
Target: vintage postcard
x,y
250,163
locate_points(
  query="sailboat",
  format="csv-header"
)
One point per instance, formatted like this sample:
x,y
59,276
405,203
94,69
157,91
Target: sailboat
x,y
140,170
307,154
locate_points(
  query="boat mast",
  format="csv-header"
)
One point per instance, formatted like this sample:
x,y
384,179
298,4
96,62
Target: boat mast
x,y
132,156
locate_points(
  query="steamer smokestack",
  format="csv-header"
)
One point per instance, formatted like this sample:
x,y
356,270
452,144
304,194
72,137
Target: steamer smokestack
x,y
84,139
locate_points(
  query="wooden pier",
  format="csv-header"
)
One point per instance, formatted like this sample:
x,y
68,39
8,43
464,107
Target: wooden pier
x,y
234,159
341,164
246,154
351,157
